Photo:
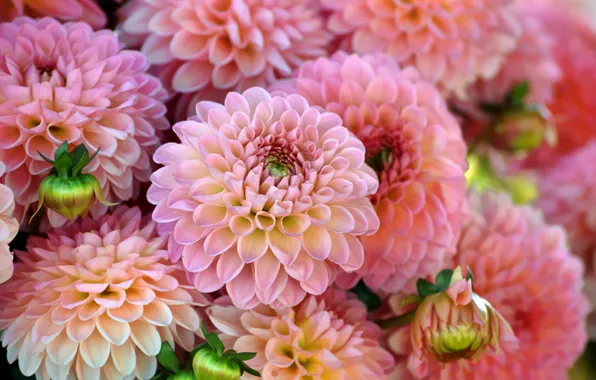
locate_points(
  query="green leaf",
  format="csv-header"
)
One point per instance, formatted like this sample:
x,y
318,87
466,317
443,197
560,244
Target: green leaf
x,y
245,368
425,288
367,296
242,356
213,340
61,151
516,96
80,157
167,358
443,279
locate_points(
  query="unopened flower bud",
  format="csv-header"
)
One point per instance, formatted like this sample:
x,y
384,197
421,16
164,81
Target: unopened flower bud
x,y
456,323
66,190
522,131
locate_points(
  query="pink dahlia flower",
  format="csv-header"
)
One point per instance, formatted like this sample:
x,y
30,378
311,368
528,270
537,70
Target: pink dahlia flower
x,y
416,147
9,227
223,44
67,83
266,196
326,337
452,42
524,269
574,103
96,300
64,10
568,198
532,61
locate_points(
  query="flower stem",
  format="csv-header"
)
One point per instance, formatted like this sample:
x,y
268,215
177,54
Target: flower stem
x,y
399,321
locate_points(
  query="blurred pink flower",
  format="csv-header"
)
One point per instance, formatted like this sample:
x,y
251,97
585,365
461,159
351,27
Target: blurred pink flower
x,y
96,300
9,227
266,196
64,10
532,61
67,83
568,198
223,43
574,103
416,147
325,337
525,270
452,42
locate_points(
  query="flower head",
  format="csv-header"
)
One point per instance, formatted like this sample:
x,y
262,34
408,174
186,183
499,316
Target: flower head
x,y
200,44
455,323
67,83
525,270
452,42
97,299
416,147
568,198
64,10
266,196
326,336
9,227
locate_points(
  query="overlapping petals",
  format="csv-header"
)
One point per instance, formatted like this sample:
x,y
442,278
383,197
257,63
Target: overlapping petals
x,y
96,300
223,44
523,267
67,83
266,196
63,10
9,227
452,43
416,147
327,337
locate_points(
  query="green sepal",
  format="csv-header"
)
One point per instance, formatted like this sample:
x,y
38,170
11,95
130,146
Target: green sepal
x,y
239,356
80,158
213,340
425,288
470,275
45,158
61,151
245,368
516,96
444,279
199,348
167,358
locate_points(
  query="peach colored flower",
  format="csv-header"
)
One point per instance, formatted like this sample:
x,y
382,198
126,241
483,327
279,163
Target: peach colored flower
x,y
457,324
67,83
9,227
524,269
224,44
416,147
325,337
64,10
452,42
568,198
96,300
266,196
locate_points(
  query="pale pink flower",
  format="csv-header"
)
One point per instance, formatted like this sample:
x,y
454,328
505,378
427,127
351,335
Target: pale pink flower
x,y
532,61
9,227
416,147
63,10
96,300
452,42
325,337
568,198
67,83
223,43
266,196
523,267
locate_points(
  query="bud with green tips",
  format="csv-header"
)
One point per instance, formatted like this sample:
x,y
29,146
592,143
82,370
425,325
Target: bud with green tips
x,y
210,362
66,190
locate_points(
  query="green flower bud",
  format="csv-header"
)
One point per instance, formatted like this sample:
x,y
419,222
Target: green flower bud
x,y
523,130
66,190
207,365
184,375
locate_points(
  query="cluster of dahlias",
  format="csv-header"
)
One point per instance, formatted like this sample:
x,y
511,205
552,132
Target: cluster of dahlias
x,y
297,189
